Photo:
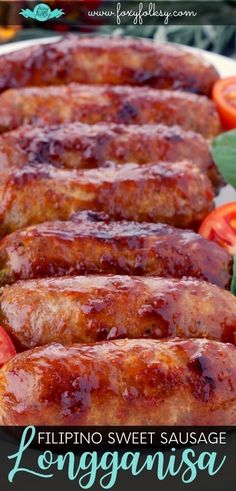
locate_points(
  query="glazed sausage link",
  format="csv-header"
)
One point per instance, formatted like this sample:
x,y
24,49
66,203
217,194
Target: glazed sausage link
x,y
94,308
112,60
83,146
119,104
178,194
92,243
122,382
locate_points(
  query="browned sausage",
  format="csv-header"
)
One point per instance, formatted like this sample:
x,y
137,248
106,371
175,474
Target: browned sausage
x,y
112,60
122,382
87,309
120,104
82,146
90,244
178,194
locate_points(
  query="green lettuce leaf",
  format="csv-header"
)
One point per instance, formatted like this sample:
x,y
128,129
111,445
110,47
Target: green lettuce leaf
x,y
233,282
224,154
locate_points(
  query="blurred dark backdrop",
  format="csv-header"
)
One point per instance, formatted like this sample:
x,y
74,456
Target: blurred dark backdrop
x,y
220,39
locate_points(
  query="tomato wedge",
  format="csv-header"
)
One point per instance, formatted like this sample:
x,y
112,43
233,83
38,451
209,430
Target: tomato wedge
x,y
220,226
224,96
7,348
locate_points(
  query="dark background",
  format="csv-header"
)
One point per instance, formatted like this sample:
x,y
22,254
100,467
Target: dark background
x,y
225,480
217,38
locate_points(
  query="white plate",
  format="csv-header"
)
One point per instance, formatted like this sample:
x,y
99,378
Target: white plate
x,y
225,66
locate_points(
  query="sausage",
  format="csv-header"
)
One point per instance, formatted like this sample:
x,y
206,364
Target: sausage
x,y
90,243
178,194
120,104
112,60
122,382
86,309
83,146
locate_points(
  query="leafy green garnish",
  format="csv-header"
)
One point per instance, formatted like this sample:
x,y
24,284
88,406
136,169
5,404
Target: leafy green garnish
x,y
233,282
224,154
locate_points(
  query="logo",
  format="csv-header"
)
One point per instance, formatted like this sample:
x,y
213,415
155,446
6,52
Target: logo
x,y
42,12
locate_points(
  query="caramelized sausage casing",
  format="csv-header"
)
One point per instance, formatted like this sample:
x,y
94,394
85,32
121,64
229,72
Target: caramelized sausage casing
x,y
87,309
123,382
178,194
82,146
112,60
95,104
90,244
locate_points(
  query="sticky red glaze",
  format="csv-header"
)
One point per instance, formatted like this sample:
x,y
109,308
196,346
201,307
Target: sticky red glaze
x,y
7,348
112,60
119,104
93,308
123,382
174,193
82,146
93,244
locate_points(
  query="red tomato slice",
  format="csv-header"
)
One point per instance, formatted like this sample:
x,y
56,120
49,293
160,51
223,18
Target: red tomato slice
x,y
7,348
220,226
224,96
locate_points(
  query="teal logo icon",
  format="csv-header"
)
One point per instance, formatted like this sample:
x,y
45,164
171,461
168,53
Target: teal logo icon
x,y
42,12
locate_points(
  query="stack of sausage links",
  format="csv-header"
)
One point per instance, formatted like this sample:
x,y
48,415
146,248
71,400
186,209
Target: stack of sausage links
x,y
118,308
